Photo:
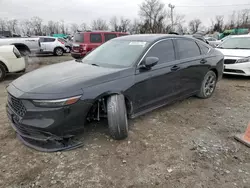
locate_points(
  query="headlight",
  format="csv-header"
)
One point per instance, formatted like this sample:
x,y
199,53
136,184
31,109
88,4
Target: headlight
x,y
244,60
56,103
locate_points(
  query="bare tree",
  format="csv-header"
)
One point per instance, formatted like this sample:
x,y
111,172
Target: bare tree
x,y
36,23
124,24
83,27
2,24
62,27
12,25
153,14
219,23
244,17
135,27
99,24
194,25
26,27
114,23
74,27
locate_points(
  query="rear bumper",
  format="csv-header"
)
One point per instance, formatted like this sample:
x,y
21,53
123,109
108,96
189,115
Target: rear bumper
x,y
78,55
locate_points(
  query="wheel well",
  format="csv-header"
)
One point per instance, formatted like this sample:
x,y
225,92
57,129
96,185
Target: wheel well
x,y
103,101
22,47
5,67
216,72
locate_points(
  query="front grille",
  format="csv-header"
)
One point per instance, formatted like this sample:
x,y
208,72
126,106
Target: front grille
x,y
16,105
234,71
230,61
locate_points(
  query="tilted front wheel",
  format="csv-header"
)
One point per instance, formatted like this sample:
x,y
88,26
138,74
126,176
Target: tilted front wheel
x,y
117,117
2,72
208,85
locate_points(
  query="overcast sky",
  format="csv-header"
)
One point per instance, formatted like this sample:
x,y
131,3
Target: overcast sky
x,y
79,11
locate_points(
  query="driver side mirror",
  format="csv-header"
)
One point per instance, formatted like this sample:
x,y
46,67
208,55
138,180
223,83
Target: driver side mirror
x,y
150,62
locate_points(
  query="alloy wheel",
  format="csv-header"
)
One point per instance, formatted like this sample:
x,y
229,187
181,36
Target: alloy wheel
x,y
210,84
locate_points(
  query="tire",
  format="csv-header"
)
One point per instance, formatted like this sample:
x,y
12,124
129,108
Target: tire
x,y
58,51
117,117
2,72
208,85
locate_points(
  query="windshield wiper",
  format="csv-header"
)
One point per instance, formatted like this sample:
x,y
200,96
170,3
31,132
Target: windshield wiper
x,y
95,65
241,48
219,47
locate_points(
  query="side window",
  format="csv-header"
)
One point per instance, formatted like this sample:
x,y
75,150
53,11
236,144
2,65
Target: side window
x,y
95,38
187,48
49,40
164,50
41,39
109,36
204,49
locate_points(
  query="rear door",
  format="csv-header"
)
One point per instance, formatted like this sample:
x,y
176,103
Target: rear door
x,y
193,65
50,44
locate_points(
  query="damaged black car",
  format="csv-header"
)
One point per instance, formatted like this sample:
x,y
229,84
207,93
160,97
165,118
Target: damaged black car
x,y
123,78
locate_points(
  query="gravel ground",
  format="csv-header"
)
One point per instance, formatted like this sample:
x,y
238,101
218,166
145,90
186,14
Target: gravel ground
x,y
188,144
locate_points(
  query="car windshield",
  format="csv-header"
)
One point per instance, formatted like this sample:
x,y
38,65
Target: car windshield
x,y
116,53
236,43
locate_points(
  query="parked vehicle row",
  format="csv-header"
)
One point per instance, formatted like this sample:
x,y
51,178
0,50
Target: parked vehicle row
x,y
85,42
38,45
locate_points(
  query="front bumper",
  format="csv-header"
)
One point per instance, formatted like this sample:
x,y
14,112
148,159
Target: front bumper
x,y
48,129
238,69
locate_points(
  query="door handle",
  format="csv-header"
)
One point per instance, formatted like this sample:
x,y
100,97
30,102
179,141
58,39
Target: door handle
x,y
175,68
203,61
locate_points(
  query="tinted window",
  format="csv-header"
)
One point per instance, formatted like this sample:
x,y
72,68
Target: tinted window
x,y
95,38
109,36
78,37
49,40
164,50
123,35
187,48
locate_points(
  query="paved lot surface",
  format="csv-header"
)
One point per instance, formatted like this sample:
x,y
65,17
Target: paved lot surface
x,y
187,144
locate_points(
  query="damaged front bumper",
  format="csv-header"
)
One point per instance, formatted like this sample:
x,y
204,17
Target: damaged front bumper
x,y
61,132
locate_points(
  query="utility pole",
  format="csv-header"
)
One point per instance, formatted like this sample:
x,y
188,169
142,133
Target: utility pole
x,y
172,16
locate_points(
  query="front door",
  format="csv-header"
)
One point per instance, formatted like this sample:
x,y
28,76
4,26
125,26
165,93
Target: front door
x,y
161,83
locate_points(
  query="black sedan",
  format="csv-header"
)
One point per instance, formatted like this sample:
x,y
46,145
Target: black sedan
x,y
123,78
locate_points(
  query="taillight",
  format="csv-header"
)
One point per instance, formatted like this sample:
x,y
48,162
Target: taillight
x,y
16,52
61,42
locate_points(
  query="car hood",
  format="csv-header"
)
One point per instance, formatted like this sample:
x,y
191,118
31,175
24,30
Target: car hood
x,y
66,77
234,52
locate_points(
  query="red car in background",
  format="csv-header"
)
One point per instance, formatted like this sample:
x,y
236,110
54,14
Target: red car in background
x,y
86,41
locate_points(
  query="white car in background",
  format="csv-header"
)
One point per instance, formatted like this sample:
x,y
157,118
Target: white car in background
x,y
11,61
236,50
213,41
52,45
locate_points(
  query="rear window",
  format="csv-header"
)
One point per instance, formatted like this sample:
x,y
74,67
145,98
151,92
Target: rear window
x,y
95,38
79,37
109,36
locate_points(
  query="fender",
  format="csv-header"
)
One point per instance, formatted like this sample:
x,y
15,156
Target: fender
x,y
6,63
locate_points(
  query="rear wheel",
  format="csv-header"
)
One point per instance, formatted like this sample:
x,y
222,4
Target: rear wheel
x,y
2,72
58,51
208,85
117,117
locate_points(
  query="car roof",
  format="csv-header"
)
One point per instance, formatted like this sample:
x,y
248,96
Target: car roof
x,y
47,37
239,36
96,31
148,37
